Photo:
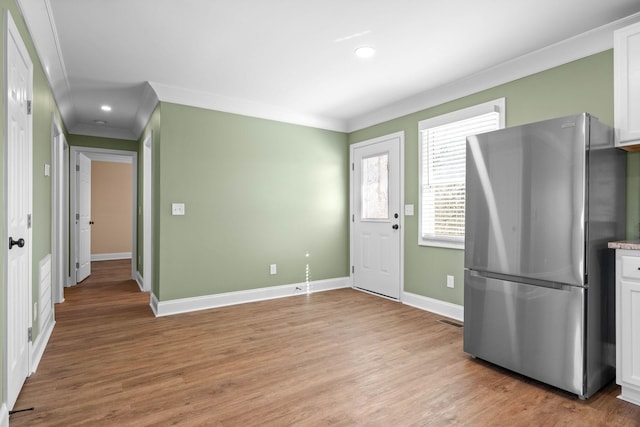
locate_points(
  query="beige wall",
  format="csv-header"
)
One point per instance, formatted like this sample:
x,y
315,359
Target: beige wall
x,y
110,207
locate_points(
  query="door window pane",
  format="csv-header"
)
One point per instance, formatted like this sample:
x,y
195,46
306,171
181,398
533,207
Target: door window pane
x,y
375,187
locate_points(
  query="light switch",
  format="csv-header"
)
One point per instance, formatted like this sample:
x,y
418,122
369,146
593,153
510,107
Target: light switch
x,y
408,210
177,209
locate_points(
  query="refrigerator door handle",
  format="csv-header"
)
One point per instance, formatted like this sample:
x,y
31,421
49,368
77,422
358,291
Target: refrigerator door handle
x,y
523,280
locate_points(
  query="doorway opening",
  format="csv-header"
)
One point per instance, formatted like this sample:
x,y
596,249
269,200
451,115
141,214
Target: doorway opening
x,y
80,192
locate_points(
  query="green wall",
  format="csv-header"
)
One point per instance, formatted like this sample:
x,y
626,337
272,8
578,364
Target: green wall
x,y
256,192
259,192
44,109
100,142
583,85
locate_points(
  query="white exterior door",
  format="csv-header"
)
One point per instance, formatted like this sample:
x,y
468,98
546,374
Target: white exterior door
x,y
376,199
83,218
19,74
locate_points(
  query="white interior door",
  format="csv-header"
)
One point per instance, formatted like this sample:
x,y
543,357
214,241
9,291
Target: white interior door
x,y
83,218
376,235
19,74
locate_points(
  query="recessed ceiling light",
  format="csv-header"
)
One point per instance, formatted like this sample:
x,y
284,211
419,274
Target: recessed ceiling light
x,y
106,108
365,52
100,122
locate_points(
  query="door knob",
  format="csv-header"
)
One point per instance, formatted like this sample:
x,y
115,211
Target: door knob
x,y
395,226
12,243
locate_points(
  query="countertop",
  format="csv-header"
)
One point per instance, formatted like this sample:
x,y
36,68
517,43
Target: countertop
x,y
625,244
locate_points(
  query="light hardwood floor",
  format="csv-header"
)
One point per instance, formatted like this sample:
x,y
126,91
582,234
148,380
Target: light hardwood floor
x,y
341,358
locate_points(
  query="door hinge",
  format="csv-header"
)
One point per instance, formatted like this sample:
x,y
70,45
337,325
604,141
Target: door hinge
x,y
30,334
353,218
353,166
29,107
77,217
77,265
29,221
77,168
353,269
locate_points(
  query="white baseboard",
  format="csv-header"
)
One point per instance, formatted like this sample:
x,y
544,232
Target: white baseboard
x,y
184,305
111,257
4,415
37,350
140,281
442,308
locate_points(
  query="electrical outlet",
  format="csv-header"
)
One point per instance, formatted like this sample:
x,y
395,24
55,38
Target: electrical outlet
x,y
273,269
450,281
177,209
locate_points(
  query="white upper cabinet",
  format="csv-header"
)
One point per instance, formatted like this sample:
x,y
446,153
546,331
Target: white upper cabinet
x,y
627,86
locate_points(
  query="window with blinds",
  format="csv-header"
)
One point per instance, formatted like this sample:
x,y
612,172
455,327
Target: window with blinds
x,y
442,171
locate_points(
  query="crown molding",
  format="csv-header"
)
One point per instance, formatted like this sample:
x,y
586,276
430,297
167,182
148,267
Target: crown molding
x,y
145,110
210,101
38,16
574,48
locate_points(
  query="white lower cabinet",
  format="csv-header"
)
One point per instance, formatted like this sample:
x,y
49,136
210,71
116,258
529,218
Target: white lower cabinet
x,y
628,324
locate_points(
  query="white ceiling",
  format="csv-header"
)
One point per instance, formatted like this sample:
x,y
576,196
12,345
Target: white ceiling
x,y
293,60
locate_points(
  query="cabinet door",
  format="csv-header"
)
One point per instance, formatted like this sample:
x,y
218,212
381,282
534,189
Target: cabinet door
x,y
630,332
627,85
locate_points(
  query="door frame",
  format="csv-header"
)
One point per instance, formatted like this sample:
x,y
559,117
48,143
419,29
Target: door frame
x,y
59,211
147,213
104,155
352,148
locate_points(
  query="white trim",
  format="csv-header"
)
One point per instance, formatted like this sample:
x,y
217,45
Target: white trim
x,y
139,280
110,158
110,257
147,211
589,43
59,210
442,308
185,305
497,105
147,107
4,415
401,165
153,303
39,19
211,101
41,342
109,155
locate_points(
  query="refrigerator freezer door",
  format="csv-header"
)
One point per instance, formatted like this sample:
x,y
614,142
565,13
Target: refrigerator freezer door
x,y
532,330
525,206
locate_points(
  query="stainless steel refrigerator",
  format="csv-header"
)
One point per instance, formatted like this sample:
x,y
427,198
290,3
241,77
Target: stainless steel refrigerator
x,y
542,201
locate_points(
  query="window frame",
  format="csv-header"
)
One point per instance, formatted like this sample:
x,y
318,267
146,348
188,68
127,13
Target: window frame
x,y
496,105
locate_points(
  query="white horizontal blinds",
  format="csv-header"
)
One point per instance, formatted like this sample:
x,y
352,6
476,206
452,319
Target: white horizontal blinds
x,y
443,175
